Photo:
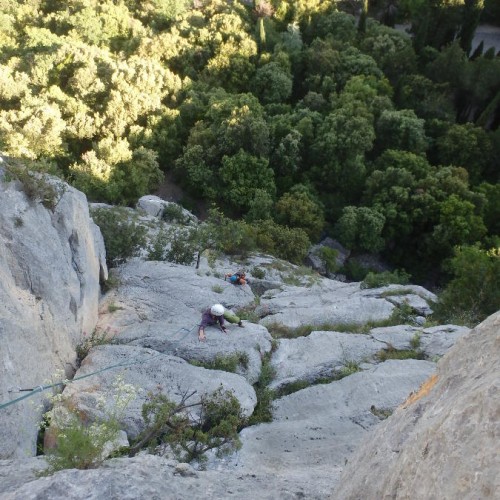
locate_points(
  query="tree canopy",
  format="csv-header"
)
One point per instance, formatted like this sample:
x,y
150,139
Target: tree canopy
x,y
292,113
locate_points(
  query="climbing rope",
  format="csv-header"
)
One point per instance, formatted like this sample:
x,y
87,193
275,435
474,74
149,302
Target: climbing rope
x,y
40,388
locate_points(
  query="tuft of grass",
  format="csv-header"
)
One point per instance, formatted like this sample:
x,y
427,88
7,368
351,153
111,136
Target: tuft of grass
x,y
416,341
393,293
217,289
381,413
96,338
113,307
258,272
292,387
112,282
263,411
349,368
292,279
392,353
229,363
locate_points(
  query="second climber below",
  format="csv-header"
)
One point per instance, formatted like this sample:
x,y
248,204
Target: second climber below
x,y
216,315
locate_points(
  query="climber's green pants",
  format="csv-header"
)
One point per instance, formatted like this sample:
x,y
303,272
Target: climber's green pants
x,y
231,317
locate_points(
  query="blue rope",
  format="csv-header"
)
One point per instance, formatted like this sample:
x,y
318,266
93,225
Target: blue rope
x,y
42,388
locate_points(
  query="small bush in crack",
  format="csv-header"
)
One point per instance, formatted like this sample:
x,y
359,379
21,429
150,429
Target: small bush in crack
x,y
123,236
190,435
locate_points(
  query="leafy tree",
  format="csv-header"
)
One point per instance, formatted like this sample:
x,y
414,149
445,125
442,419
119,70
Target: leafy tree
x,y
260,206
471,14
426,98
466,146
360,228
401,130
241,176
138,176
492,207
224,147
213,425
411,194
286,243
272,84
473,292
299,209
458,224
337,25
391,49
123,236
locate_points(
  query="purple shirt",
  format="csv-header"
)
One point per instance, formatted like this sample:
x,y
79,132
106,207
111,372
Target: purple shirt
x,y
207,319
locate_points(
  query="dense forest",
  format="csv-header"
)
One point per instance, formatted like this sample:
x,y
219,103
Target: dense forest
x,y
308,117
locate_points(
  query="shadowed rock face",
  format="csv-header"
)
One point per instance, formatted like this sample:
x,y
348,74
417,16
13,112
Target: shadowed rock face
x,y
445,443
50,263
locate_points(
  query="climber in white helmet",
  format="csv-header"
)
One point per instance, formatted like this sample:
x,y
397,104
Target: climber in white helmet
x,y
216,315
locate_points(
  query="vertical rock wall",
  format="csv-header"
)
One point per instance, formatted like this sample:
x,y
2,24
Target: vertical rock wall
x,y
444,442
50,265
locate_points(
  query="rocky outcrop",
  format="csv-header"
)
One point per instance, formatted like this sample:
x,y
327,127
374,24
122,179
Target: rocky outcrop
x,y
443,443
151,320
151,373
141,477
315,430
50,264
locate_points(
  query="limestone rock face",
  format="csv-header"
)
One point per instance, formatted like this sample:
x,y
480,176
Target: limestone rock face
x,y
50,265
444,444
158,305
147,476
316,429
149,372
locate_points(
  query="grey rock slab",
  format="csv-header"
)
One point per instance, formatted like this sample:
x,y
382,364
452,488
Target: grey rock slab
x,y
251,340
50,265
159,304
317,429
319,354
148,371
444,444
155,206
398,337
14,473
152,477
326,301
164,297
392,291
436,341
417,303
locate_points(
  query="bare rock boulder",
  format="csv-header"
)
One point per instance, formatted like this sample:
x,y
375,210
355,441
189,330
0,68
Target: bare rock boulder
x,y
444,442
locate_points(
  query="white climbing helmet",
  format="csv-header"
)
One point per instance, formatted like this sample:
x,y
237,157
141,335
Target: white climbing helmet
x,y
217,309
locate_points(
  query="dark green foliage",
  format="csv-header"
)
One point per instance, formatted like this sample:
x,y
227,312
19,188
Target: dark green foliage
x,y
263,411
214,426
123,236
174,213
245,104
360,228
386,354
229,363
473,292
299,209
376,280
286,243
329,257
